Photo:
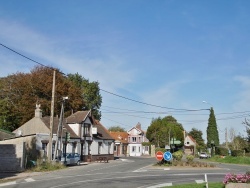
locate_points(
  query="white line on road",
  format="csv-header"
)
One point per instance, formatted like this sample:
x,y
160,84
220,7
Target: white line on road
x,y
161,185
29,180
199,181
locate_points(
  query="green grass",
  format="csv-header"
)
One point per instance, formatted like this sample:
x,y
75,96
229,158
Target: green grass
x,y
232,160
194,185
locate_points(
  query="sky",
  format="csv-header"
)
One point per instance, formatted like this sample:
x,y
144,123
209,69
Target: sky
x,y
151,58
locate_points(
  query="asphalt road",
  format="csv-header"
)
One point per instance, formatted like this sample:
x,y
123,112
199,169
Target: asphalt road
x,y
127,172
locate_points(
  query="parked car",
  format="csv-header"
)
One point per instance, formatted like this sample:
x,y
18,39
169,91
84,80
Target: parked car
x,y
203,155
71,159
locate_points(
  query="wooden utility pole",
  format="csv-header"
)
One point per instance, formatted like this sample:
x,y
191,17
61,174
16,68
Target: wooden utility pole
x,y
52,117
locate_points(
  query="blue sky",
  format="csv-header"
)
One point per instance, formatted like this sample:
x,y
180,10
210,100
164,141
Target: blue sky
x,y
170,53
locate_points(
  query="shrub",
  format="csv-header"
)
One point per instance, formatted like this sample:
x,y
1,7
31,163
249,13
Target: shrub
x,y
237,153
221,151
178,155
190,158
236,178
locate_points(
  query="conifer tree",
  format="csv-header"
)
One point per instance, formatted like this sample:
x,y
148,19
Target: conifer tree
x,y
212,131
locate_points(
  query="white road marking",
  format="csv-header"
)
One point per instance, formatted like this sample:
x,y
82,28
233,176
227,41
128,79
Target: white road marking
x,y
200,181
161,185
29,180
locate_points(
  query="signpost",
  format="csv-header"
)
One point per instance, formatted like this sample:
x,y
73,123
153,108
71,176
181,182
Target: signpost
x,y
159,155
167,156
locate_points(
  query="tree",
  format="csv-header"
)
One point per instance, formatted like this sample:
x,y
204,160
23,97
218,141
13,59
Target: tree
x,y
197,135
90,93
20,93
212,131
161,130
116,129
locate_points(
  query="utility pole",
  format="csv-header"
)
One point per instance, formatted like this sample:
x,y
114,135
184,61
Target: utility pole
x,y
52,117
226,138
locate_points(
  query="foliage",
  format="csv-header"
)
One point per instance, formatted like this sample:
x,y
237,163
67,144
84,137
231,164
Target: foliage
x,y
212,131
90,92
221,151
190,158
162,129
178,155
47,166
236,178
20,92
237,153
116,129
197,135
231,160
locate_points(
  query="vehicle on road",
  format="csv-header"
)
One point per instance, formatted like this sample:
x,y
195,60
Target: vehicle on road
x,y
71,159
203,155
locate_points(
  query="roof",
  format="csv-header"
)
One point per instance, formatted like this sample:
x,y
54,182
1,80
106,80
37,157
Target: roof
x,y
46,121
6,134
192,138
102,132
78,117
121,136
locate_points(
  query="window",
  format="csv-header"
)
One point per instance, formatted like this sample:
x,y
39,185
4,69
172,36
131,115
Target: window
x,y
133,149
139,149
99,147
109,147
114,147
133,139
86,129
146,148
187,142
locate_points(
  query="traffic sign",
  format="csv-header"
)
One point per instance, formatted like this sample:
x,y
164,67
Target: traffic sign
x,y
167,156
159,155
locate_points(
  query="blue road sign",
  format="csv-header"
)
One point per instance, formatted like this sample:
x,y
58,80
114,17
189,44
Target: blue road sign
x,y
167,156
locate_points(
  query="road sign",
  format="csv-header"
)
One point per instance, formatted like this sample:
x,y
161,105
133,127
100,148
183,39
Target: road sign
x,y
167,156
159,155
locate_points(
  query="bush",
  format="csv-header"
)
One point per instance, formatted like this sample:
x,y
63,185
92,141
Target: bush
x,y
237,153
178,155
221,151
190,158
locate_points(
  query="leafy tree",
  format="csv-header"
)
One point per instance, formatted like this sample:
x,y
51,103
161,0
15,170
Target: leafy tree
x,y
90,93
197,135
162,129
116,129
20,93
212,131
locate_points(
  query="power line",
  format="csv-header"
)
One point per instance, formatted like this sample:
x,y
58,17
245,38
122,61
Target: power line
x,y
179,109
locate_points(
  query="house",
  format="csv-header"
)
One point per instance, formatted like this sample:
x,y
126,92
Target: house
x,y
121,143
136,136
40,127
189,145
95,139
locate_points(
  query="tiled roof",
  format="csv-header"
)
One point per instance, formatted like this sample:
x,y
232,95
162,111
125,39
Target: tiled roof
x,y
46,121
192,138
77,117
121,136
102,132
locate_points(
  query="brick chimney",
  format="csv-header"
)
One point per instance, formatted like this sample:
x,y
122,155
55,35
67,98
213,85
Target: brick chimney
x,y
138,126
38,111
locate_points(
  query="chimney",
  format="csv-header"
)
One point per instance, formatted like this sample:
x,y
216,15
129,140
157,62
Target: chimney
x,y
138,126
38,111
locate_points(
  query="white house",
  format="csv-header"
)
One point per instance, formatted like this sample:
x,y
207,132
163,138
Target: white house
x,y
136,136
